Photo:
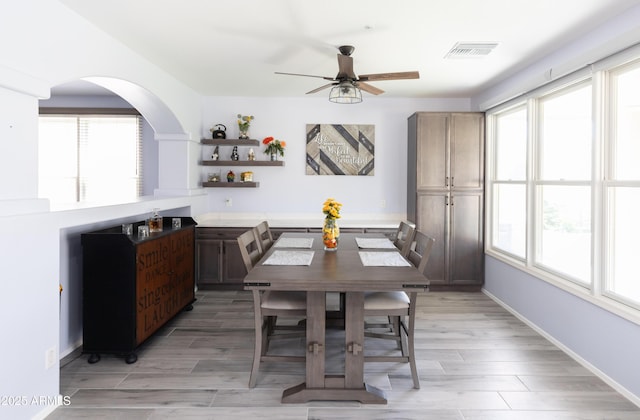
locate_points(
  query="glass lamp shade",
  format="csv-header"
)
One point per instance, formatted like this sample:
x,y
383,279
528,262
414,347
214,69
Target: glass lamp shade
x,y
345,93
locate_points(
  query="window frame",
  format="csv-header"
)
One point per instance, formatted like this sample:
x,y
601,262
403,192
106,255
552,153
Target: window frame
x,y
600,184
78,114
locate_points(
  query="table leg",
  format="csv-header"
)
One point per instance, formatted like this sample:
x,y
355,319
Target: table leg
x,y
316,321
351,386
354,340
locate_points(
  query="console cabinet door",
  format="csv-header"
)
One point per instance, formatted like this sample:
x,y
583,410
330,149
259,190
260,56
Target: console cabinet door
x,y
164,283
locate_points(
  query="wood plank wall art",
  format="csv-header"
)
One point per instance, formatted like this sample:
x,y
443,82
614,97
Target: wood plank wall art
x,y
340,149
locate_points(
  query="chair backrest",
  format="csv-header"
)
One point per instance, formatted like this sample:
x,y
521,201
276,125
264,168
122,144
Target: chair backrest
x,y
404,238
263,233
420,250
250,248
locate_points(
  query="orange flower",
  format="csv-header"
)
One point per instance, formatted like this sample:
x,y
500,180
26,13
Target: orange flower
x,y
274,146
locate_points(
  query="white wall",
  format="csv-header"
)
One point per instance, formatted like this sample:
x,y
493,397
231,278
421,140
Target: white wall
x,y
287,189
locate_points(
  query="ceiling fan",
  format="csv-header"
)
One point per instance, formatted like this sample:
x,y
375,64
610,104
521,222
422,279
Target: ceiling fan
x,y
346,83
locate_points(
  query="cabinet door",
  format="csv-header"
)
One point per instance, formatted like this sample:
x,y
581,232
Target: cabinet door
x,y
467,253
433,219
209,260
432,133
466,144
233,267
164,283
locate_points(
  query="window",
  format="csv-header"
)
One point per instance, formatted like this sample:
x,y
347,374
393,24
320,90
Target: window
x,y
563,180
90,158
509,187
622,185
563,183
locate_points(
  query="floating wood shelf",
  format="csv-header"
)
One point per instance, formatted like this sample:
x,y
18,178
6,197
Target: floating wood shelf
x,y
242,163
225,184
231,142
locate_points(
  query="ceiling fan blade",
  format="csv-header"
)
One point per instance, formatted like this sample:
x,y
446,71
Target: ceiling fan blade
x,y
321,88
305,75
389,76
369,88
345,67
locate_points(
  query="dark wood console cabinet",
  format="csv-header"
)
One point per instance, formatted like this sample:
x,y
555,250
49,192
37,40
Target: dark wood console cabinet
x,y
132,287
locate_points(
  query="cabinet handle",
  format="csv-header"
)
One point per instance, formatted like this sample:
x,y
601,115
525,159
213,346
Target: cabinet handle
x,y
446,181
452,201
452,181
446,201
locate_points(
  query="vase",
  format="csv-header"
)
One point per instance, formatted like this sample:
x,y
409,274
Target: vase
x,y
244,134
274,156
330,234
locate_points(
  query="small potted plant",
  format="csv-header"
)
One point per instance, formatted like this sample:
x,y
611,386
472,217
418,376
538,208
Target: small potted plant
x,y
274,147
244,122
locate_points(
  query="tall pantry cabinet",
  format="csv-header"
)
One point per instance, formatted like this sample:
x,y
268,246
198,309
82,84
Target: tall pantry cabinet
x,y
445,195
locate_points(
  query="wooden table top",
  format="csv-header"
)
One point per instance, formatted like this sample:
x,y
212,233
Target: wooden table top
x,y
334,271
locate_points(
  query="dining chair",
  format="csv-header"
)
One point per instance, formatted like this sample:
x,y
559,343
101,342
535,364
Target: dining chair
x,y
404,237
267,307
263,232
400,308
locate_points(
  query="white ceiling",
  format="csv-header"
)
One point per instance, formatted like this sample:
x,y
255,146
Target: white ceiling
x,y
233,47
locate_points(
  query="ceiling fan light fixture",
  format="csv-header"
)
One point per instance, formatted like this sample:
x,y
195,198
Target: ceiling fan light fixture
x,y
345,92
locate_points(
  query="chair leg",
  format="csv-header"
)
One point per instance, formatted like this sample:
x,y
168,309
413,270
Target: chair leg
x,y
258,345
411,344
400,336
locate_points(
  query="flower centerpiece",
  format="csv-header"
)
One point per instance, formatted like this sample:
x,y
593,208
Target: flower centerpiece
x,y
330,230
274,147
244,122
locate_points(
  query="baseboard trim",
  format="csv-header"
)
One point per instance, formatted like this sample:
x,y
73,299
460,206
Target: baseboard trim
x,y
575,356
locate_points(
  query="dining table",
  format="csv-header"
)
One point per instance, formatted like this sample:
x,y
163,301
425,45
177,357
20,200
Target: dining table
x,y
363,262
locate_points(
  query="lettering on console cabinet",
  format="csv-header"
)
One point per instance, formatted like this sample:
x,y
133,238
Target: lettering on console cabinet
x,y
165,280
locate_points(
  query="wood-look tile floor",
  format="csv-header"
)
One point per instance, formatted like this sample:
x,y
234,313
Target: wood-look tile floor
x,y
475,361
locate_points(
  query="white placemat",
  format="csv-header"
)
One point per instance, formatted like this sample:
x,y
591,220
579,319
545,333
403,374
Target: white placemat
x,y
294,243
289,258
382,259
382,243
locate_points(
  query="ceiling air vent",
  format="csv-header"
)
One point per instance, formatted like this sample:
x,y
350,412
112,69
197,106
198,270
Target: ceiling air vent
x,y
471,49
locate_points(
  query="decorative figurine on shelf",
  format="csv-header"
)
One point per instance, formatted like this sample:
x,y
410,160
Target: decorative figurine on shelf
x,y
251,155
230,176
234,153
218,131
216,154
